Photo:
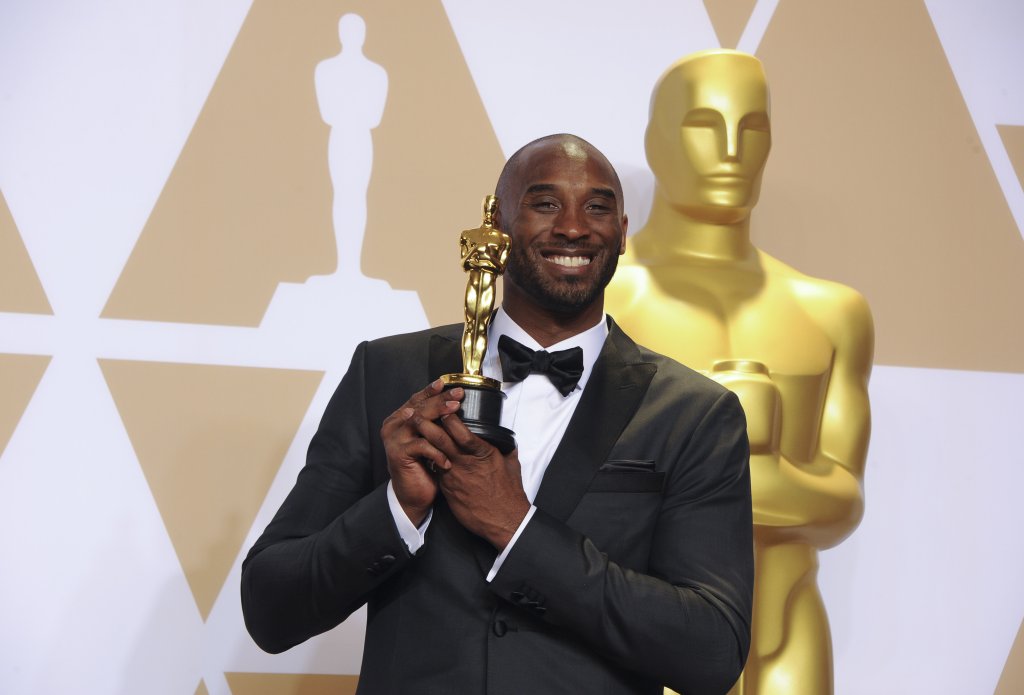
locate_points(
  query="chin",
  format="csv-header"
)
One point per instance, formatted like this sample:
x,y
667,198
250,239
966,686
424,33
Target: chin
x,y
724,207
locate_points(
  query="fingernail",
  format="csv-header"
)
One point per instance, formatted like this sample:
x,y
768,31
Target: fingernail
x,y
458,392
451,404
437,384
407,413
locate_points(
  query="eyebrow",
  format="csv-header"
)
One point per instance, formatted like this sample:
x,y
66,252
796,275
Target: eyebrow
x,y
548,187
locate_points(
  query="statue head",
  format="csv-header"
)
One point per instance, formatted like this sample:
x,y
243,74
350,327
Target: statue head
x,y
352,31
709,135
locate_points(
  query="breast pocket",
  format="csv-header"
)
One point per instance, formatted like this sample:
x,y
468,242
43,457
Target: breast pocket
x,y
627,475
620,510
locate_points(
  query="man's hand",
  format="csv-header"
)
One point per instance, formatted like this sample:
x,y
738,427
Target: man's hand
x,y
483,489
410,454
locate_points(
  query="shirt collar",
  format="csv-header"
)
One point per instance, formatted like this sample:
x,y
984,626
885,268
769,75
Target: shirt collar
x,y
591,340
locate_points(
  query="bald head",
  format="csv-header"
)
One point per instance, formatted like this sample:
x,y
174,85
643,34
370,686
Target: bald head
x,y
511,182
560,201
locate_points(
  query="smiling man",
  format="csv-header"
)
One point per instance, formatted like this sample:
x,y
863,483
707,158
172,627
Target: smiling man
x,y
610,553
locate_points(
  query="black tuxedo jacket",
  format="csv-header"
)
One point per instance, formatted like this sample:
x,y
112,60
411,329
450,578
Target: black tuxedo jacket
x,y
635,572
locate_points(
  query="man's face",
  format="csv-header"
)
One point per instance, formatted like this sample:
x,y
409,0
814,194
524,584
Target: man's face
x,y
567,228
709,137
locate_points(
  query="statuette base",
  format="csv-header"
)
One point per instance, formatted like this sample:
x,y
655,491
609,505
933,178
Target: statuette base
x,y
481,408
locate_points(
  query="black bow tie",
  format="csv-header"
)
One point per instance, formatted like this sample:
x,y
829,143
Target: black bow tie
x,y
562,367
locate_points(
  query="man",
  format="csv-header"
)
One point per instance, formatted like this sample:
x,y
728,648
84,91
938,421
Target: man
x,y
632,567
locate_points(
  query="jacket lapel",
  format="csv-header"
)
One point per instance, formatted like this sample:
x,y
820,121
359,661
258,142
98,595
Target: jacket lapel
x,y
445,353
609,401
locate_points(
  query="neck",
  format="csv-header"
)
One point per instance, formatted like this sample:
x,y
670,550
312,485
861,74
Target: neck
x,y
548,327
672,234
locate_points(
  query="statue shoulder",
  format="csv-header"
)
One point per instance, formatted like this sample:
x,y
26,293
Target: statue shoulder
x,y
840,310
843,313
628,287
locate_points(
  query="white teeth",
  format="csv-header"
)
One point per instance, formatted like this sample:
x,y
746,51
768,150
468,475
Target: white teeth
x,y
570,261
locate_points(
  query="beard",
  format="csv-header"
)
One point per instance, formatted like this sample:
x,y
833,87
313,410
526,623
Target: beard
x,y
568,295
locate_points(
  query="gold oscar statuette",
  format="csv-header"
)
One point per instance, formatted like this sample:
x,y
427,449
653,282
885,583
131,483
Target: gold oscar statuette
x,y
795,349
484,251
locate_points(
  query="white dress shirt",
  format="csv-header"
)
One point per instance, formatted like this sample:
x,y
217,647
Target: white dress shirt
x,y
533,409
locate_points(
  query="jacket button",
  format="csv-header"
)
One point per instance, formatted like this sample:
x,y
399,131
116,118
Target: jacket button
x,y
500,628
517,596
386,561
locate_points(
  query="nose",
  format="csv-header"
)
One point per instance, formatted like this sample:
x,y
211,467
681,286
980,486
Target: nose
x,y
732,142
570,223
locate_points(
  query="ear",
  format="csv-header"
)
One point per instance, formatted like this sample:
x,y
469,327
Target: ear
x,y
625,228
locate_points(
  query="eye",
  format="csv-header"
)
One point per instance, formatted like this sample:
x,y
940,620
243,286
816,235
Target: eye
x,y
702,118
544,205
756,121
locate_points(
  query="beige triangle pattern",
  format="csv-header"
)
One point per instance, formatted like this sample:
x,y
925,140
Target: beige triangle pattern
x,y
248,202
434,111
201,688
729,18
1012,680
20,375
248,205
290,684
1013,141
20,290
867,187
210,440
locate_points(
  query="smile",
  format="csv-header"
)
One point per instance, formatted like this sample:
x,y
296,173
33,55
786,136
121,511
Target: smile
x,y
569,261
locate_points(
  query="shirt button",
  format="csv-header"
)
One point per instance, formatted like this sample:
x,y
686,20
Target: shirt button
x,y
500,628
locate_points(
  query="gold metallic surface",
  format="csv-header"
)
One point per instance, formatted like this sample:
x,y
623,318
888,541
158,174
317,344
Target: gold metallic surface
x,y
484,252
795,349
471,380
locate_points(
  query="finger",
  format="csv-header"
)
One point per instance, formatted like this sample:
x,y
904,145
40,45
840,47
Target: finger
x,y
442,404
432,389
423,453
438,436
425,417
395,420
464,439
417,399
433,401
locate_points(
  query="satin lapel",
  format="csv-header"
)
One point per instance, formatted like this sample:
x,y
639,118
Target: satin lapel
x,y
445,355
609,401
446,358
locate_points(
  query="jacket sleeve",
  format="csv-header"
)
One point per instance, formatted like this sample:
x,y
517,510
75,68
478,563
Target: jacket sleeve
x,y
333,541
684,620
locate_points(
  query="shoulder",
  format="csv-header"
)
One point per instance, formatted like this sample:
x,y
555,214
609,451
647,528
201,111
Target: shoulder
x,y
671,379
406,348
398,365
404,341
842,312
829,302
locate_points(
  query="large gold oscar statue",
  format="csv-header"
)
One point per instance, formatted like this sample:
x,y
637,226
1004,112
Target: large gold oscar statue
x,y
796,349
